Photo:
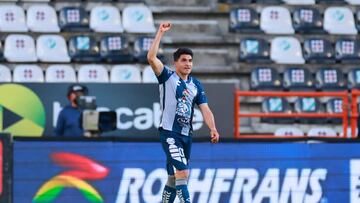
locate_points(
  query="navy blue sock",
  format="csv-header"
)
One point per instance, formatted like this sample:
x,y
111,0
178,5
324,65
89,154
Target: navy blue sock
x,y
168,195
182,190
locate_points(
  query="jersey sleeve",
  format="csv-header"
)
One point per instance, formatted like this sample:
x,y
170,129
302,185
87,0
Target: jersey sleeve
x,y
201,96
165,75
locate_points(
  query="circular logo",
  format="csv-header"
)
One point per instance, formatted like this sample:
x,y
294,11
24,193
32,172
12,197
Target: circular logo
x,y
170,141
21,111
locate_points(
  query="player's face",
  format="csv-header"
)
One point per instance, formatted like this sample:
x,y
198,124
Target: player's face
x,y
184,64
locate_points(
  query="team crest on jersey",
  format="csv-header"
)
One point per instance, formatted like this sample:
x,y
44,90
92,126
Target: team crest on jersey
x,y
170,141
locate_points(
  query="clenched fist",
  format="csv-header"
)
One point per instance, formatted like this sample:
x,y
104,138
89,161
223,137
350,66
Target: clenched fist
x,y
164,26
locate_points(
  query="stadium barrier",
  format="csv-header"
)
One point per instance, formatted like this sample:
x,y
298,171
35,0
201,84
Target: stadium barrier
x,y
93,170
238,114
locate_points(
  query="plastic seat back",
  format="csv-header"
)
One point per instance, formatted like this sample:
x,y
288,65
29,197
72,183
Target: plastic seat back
x,y
84,48
138,19
330,79
5,74
354,78
317,50
106,19
307,20
322,132
339,20
276,20
125,74
73,19
12,19
20,48
28,73
42,18
254,50
244,19
286,50
116,49
288,131
265,78
300,2
93,74
60,73
347,50
296,78
141,48
52,48
149,76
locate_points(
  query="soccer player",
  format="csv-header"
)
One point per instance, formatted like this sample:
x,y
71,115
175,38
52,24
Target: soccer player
x,y
179,91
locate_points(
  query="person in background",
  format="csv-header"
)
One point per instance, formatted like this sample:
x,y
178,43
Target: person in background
x,y
68,122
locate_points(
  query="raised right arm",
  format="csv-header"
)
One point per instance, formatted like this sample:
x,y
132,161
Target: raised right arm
x,y
154,62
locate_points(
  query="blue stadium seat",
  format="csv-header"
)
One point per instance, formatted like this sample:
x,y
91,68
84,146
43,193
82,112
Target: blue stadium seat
x,y
347,50
84,48
141,48
298,79
334,105
276,105
116,49
317,50
308,105
254,50
330,79
354,78
244,20
265,78
307,20
73,19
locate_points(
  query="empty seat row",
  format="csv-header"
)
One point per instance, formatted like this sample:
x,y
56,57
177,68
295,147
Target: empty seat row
x,y
81,48
288,50
277,20
300,79
293,2
302,105
106,19
313,132
86,74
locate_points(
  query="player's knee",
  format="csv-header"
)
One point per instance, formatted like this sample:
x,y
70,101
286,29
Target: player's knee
x,y
171,181
183,174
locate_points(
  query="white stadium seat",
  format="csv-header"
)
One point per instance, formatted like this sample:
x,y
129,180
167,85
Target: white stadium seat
x,y
93,74
28,73
288,131
106,19
299,2
149,75
60,73
42,18
12,19
286,50
321,132
339,20
5,74
20,48
276,20
125,74
138,19
52,48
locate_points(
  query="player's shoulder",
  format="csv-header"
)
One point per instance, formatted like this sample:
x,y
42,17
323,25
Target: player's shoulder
x,y
196,81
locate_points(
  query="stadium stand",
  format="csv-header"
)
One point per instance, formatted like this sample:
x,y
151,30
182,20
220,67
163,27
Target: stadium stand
x,y
148,75
276,20
307,20
125,74
42,18
254,50
265,79
288,131
73,19
52,48
318,50
28,73
20,48
84,48
106,19
93,74
339,20
244,20
308,105
5,74
299,79
347,51
330,79
60,73
276,105
286,50
12,18
115,49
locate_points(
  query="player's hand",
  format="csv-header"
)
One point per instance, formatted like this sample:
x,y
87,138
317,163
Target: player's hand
x,y
165,26
214,136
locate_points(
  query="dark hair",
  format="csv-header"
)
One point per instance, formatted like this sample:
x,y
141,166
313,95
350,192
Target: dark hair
x,y
181,51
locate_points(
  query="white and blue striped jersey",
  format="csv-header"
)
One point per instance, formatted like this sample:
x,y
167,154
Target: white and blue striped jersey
x,y
177,100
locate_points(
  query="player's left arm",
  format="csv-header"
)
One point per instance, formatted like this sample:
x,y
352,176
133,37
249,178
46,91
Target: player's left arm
x,y
210,121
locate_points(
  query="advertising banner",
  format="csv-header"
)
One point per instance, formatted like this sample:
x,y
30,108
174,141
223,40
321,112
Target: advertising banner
x,y
5,168
120,172
33,109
